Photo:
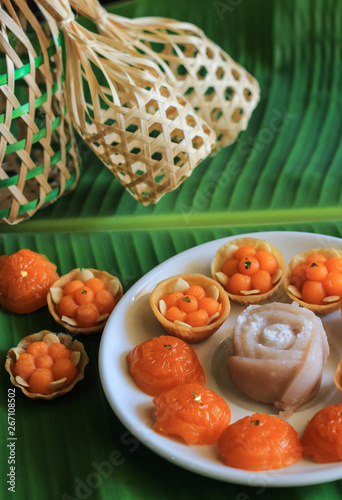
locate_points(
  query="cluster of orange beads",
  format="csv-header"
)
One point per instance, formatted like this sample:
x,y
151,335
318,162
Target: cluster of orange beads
x,y
42,364
318,277
193,307
86,302
250,269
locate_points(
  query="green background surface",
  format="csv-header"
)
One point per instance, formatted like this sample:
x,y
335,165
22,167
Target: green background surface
x,y
283,173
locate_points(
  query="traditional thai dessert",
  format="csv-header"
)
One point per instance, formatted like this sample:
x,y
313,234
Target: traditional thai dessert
x,y
259,442
279,353
190,306
322,437
314,279
250,269
25,279
82,300
45,365
191,412
161,363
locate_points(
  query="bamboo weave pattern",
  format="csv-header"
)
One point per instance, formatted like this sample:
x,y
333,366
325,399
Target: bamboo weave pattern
x,y
221,91
38,154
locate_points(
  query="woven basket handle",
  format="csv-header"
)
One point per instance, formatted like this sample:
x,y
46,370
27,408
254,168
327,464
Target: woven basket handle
x,y
92,9
60,10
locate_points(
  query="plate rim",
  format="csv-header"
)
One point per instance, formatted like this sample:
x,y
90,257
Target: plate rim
x,y
250,478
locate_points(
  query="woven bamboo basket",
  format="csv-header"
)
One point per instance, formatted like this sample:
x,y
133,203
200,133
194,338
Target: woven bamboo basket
x,y
222,92
38,153
141,128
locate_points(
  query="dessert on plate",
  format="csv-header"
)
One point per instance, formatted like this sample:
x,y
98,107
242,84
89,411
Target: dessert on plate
x,y
314,279
190,306
161,363
279,353
250,269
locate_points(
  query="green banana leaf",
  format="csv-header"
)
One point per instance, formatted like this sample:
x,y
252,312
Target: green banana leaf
x,y
283,173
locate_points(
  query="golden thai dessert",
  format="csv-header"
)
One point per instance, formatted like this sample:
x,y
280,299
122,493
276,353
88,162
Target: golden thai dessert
x,y
250,269
82,300
45,365
314,279
279,354
190,306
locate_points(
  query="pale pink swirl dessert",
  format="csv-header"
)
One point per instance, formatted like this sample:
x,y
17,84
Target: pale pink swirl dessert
x,y
279,354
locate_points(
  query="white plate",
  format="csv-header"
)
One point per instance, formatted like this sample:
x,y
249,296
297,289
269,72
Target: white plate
x,y
133,322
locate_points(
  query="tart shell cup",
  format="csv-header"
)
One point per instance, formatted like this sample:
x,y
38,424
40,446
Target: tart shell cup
x,y
298,259
63,338
63,281
228,249
187,333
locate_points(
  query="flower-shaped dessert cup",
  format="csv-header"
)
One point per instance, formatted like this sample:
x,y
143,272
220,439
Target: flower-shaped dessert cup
x,y
295,294
55,294
180,283
80,359
228,249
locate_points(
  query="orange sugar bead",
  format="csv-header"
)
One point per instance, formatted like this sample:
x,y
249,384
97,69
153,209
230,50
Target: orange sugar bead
x,y
39,381
191,412
315,257
239,282
71,287
87,315
171,299
230,266
197,318
104,301
84,295
322,436
313,292
262,281
188,303
268,262
67,306
96,284
64,367
24,366
210,305
175,314
37,348
298,276
244,251
249,265
196,291
259,442
57,350
316,271
43,361
334,264
333,284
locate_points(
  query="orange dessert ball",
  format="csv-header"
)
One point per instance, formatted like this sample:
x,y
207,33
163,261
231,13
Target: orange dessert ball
x,y
259,442
322,437
191,412
163,362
